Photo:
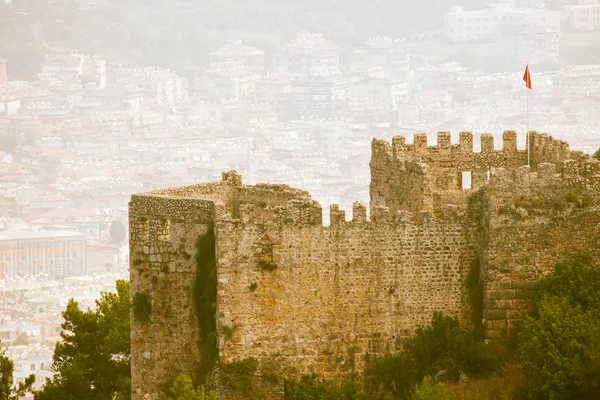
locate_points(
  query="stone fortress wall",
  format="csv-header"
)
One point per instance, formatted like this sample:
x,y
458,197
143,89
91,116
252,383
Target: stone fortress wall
x,y
301,297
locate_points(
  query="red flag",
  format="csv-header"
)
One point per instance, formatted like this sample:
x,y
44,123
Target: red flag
x,y
527,77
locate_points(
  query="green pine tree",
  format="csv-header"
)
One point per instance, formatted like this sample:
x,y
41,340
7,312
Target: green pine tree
x,y
93,361
8,391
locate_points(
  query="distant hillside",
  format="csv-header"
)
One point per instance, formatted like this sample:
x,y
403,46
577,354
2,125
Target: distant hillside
x,y
180,33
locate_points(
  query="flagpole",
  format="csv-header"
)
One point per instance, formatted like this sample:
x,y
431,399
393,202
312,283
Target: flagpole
x,y
528,135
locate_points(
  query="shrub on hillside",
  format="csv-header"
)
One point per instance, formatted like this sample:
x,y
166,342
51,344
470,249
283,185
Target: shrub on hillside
x,y
561,341
310,388
444,346
443,350
183,389
393,375
429,390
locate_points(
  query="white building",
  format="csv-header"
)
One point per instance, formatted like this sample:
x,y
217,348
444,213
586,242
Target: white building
x,y
31,359
532,45
461,25
379,52
235,51
583,16
58,253
306,53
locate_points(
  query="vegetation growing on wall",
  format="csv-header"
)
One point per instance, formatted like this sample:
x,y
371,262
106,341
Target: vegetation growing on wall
x,y
183,389
240,376
205,297
142,308
227,331
475,289
537,205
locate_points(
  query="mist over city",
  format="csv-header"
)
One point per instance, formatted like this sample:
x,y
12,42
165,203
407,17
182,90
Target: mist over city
x,y
202,166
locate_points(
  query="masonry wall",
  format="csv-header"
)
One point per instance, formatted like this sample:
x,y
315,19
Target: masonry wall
x,y
398,183
336,292
163,234
419,177
302,298
536,219
164,227
393,182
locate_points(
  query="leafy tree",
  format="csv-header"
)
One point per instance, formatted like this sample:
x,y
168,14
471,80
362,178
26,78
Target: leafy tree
x,y
597,154
444,346
441,349
560,342
183,389
429,390
7,389
93,361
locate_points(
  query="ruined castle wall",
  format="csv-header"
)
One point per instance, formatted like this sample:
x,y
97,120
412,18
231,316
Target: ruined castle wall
x,y
396,186
305,298
164,227
546,149
398,183
331,294
444,167
535,220
163,232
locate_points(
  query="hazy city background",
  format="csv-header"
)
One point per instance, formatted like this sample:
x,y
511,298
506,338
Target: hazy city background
x,y
100,99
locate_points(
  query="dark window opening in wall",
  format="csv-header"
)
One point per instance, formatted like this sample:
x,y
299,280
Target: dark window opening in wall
x,y
466,180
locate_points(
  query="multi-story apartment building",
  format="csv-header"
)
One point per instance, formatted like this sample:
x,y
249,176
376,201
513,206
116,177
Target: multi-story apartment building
x,y
62,64
59,254
584,15
227,80
461,25
237,52
31,359
379,53
94,70
305,54
541,4
274,91
532,45
319,96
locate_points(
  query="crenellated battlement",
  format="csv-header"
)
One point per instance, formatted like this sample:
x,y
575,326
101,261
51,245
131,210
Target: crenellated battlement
x,y
310,213
419,177
420,148
544,149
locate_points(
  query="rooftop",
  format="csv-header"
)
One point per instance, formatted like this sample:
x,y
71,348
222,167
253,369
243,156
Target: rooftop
x,y
237,48
23,234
